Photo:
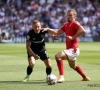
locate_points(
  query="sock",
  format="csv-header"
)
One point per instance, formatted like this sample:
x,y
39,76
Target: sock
x,y
60,67
29,70
48,71
80,71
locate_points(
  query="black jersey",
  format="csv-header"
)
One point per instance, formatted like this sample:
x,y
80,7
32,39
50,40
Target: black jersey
x,y
37,40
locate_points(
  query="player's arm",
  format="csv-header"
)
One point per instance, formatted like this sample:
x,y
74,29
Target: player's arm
x,y
28,44
50,31
60,31
54,32
80,32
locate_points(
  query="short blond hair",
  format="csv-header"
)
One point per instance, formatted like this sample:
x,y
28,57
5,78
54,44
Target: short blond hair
x,y
36,21
73,10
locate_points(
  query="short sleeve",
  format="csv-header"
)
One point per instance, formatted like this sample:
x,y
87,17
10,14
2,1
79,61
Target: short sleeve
x,y
43,32
63,28
77,25
28,37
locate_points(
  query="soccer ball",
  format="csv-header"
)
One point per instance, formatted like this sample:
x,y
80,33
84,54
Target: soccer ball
x,y
51,79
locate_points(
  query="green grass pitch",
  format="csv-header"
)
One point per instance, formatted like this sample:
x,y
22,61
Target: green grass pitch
x,y
13,63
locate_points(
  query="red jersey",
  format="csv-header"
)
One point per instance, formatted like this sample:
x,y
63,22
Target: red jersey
x,y
70,29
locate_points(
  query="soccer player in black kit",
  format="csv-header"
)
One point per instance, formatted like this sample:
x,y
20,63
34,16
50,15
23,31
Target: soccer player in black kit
x,y
35,46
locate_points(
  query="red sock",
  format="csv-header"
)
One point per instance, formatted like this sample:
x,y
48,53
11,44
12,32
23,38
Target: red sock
x,y
80,71
60,67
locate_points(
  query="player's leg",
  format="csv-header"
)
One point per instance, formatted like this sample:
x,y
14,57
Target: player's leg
x,y
45,58
59,59
72,62
77,68
47,63
31,63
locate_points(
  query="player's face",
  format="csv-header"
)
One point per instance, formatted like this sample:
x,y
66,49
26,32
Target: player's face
x,y
36,27
71,16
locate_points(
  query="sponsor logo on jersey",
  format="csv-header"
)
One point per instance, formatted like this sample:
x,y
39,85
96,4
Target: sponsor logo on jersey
x,y
38,41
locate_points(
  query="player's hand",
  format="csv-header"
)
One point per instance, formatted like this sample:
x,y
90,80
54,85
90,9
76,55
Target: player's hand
x,y
69,37
36,57
54,37
44,29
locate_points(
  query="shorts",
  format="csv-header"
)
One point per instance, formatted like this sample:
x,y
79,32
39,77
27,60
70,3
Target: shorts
x,y
71,54
43,55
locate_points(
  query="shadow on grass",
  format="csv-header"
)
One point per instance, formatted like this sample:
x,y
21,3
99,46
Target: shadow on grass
x,y
36,82
21,82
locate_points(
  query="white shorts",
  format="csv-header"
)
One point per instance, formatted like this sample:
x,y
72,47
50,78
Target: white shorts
x,y
71,54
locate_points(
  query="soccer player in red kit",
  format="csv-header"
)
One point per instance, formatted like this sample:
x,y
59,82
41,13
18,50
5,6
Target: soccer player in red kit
x,y
73,30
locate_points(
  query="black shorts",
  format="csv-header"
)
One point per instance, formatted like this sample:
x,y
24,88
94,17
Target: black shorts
x,y
43,55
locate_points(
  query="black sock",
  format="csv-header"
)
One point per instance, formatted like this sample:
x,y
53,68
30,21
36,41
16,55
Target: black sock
x,y
29,70
48,71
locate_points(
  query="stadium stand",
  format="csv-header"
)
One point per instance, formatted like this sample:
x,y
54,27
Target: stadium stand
x,y
16,16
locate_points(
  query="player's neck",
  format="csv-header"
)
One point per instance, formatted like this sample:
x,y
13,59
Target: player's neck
x,y
71,21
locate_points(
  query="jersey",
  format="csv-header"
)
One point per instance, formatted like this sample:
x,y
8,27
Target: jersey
x,y
70,29
37,40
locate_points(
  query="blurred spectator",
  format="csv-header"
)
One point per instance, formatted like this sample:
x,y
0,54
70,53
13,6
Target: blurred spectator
x,y
88,31
0,35
98,30
17,15
4,34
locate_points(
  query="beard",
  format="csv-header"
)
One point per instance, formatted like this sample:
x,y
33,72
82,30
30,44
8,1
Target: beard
x,y
68,20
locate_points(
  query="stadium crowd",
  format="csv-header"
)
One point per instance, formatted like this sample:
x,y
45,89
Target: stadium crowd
x,y
16,16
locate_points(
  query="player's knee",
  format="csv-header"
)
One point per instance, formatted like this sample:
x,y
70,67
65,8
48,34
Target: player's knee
x,y
57,57
31,64
48,65
72,66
